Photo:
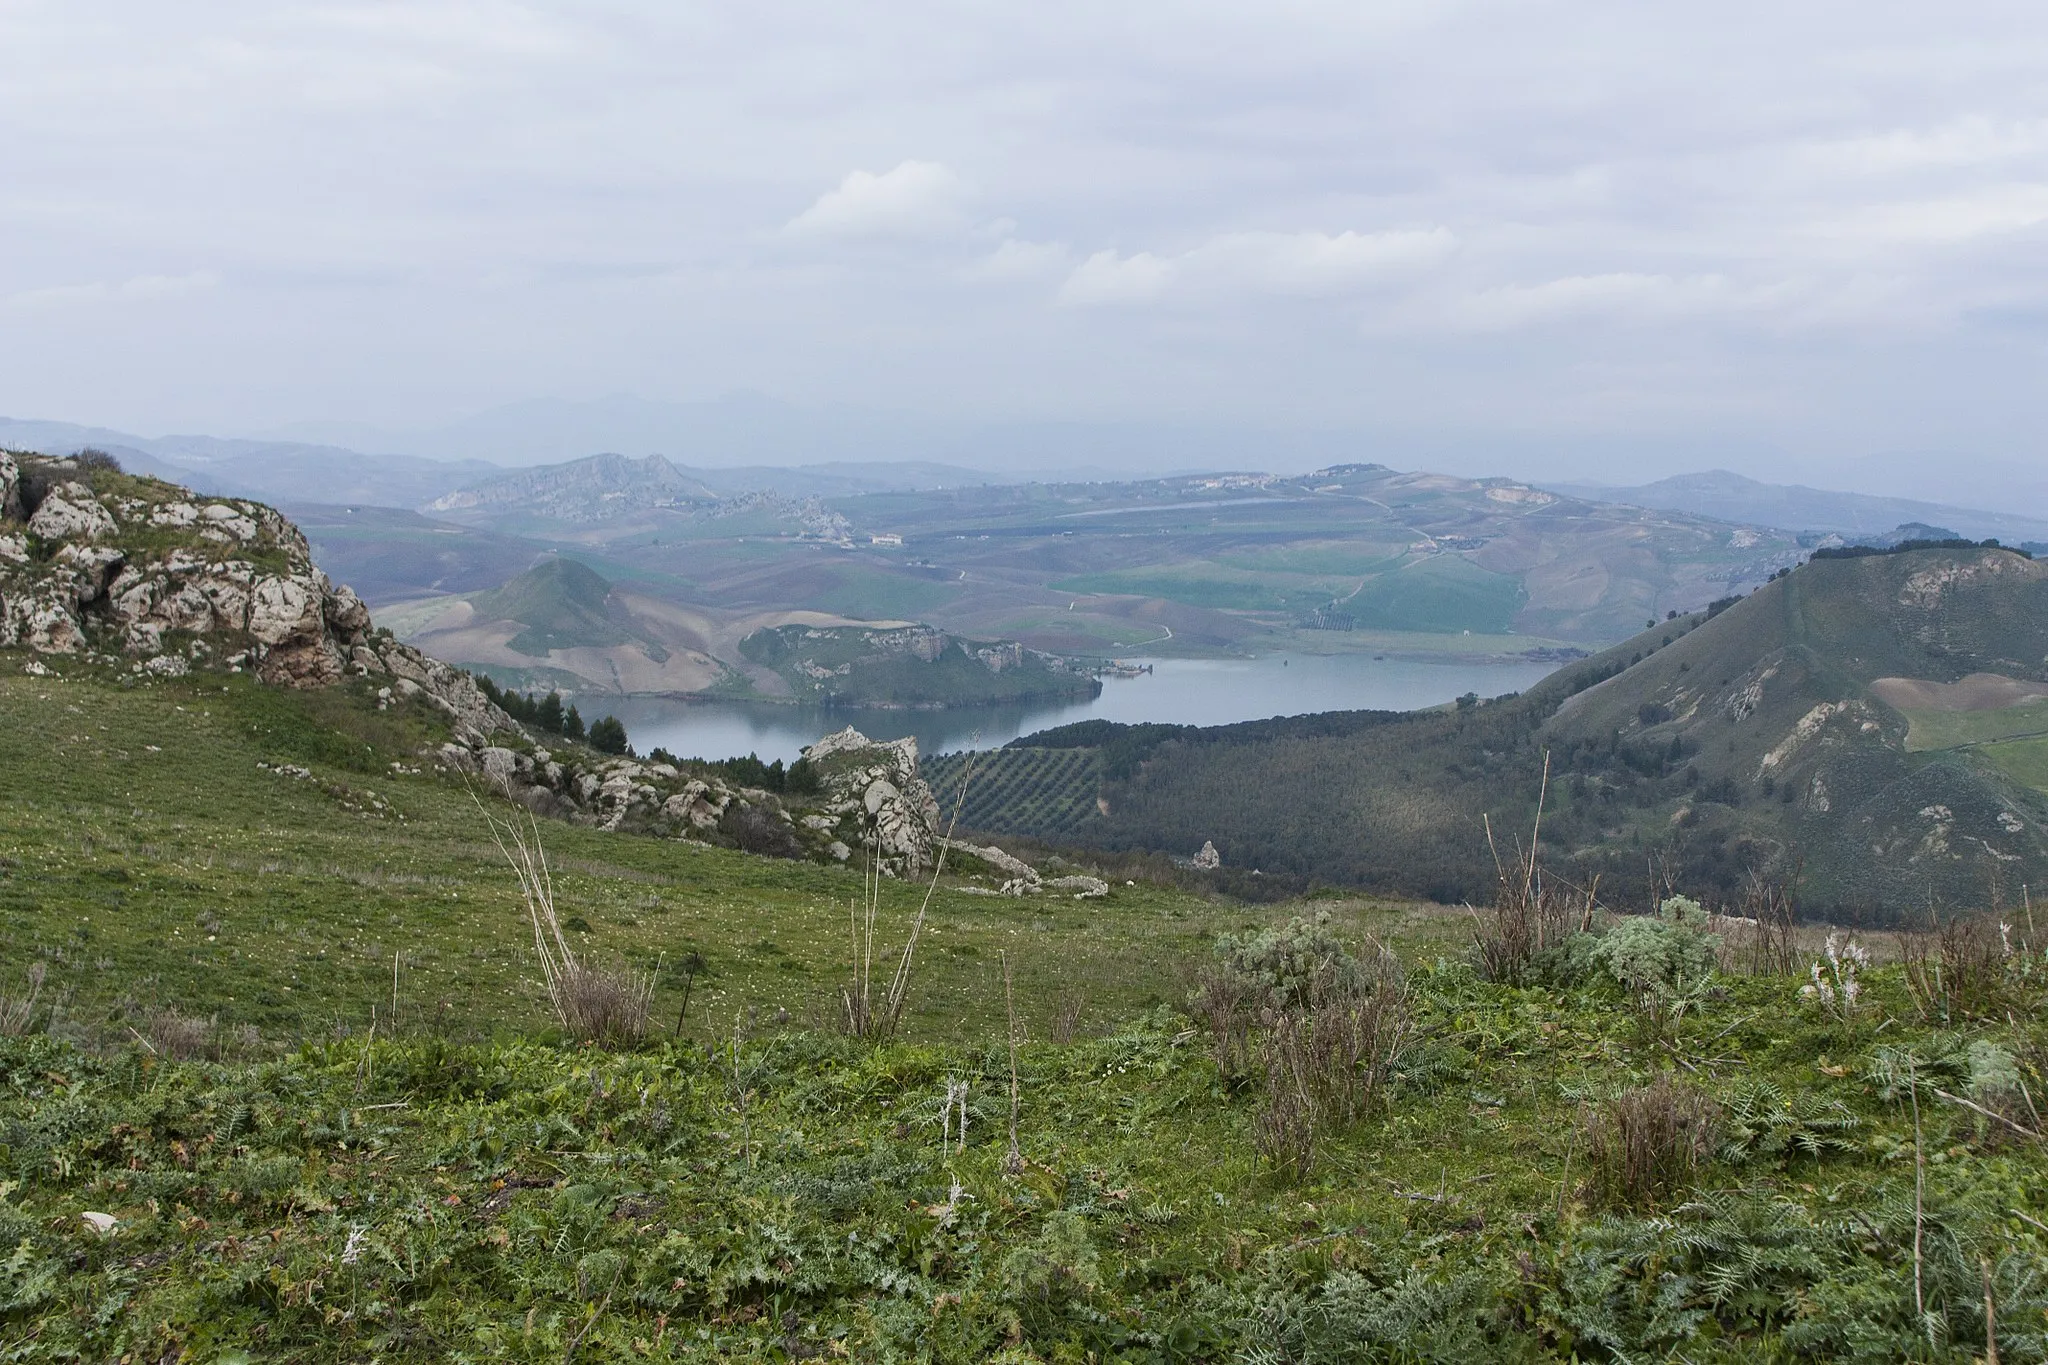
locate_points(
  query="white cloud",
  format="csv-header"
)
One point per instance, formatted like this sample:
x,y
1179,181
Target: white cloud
x,y
1317,262
1017,259
1618,297
1314,264
1107,277
1951,218
916,199
134,289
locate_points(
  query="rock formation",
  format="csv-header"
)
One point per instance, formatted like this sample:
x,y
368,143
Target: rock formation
x,y
95,562
873,797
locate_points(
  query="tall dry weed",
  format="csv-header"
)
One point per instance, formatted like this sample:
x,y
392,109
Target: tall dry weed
x,y
1530,913
18,1012
1957,969
596,1003
1648,1144
863,1012
1326,1061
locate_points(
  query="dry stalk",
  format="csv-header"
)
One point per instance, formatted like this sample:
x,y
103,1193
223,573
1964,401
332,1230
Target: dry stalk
x,y
1013,1160
598,1004
862,1016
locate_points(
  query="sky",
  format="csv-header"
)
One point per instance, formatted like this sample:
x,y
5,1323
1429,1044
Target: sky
x,y
1582,239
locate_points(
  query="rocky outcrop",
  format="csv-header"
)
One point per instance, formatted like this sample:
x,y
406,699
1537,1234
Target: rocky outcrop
x,y
640,797
1022,879
874,799
93,561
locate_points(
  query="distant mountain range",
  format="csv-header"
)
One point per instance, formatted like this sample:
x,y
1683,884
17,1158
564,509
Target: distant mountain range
x,y
300,474
1791,507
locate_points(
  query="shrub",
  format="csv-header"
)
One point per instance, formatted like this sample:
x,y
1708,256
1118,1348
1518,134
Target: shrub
x,y
1662,960
1280,968
1959,970
758,830
178,1036
1648,1143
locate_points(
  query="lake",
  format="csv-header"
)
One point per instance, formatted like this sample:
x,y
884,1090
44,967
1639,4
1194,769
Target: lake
x,y
1177,691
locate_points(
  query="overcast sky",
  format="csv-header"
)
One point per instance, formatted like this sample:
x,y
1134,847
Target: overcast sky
x,y
1803,232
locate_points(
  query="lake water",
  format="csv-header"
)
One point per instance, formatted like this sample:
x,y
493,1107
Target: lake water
x,y
1177,691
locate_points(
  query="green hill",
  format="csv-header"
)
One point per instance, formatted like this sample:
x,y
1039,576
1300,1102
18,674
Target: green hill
x,y
1775,736
910,666
279,1081
562,604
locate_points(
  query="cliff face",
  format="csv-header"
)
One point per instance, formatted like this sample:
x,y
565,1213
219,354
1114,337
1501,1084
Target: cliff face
x,y
97,562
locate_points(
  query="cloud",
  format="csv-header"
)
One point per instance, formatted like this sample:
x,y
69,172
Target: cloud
x,y
1107,277
1617,297
1306,264
134,289
916,199
1017,259
1957,218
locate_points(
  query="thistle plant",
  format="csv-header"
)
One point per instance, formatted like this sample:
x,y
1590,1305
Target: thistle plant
x,y
1836,980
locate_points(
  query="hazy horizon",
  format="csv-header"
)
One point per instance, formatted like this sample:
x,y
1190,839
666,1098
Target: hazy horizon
x,y
1552,242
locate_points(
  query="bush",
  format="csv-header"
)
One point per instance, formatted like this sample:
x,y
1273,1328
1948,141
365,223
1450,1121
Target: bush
x,y
1647,1144
1280,968
1662,960
757,830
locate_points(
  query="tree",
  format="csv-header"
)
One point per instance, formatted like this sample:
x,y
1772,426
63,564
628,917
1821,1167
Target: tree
x,y
548,715
572,725
608,736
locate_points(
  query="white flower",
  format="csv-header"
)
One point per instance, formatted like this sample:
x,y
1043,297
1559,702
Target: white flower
x,y
353,1252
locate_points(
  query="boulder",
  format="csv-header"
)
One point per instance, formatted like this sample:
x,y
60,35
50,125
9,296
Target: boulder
x,y
71,512
876,785
10,488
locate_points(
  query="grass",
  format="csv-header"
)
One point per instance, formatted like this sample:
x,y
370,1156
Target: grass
x,y
270,1177
2025,761
281,902
1953,729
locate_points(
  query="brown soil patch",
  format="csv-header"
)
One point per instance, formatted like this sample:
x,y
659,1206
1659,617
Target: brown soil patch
x,y
1977,692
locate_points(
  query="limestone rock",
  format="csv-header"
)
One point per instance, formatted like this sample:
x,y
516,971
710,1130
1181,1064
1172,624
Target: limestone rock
x,y
1208,859
875,786
71,512
10,488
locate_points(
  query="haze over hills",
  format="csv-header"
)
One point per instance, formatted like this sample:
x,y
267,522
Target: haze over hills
x,y
1792,507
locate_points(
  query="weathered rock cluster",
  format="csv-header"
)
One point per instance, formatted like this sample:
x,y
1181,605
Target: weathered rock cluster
x,y
612,793
96,562
1022,879
872,798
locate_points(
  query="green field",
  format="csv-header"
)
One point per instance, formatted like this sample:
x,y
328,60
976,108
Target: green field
x,y
153,863
1953,729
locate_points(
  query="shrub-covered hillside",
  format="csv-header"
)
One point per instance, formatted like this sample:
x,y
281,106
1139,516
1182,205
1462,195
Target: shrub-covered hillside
x,y
1871,724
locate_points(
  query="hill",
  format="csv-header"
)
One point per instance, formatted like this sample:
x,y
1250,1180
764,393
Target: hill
x,y
1870,725
912,666
1794,507
1349,558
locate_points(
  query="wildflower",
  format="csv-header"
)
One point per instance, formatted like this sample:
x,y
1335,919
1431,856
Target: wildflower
x,y
1838,985
353,1251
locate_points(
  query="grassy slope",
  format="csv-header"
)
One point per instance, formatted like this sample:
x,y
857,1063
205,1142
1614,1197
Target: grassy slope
x,y
432,1199
120,858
